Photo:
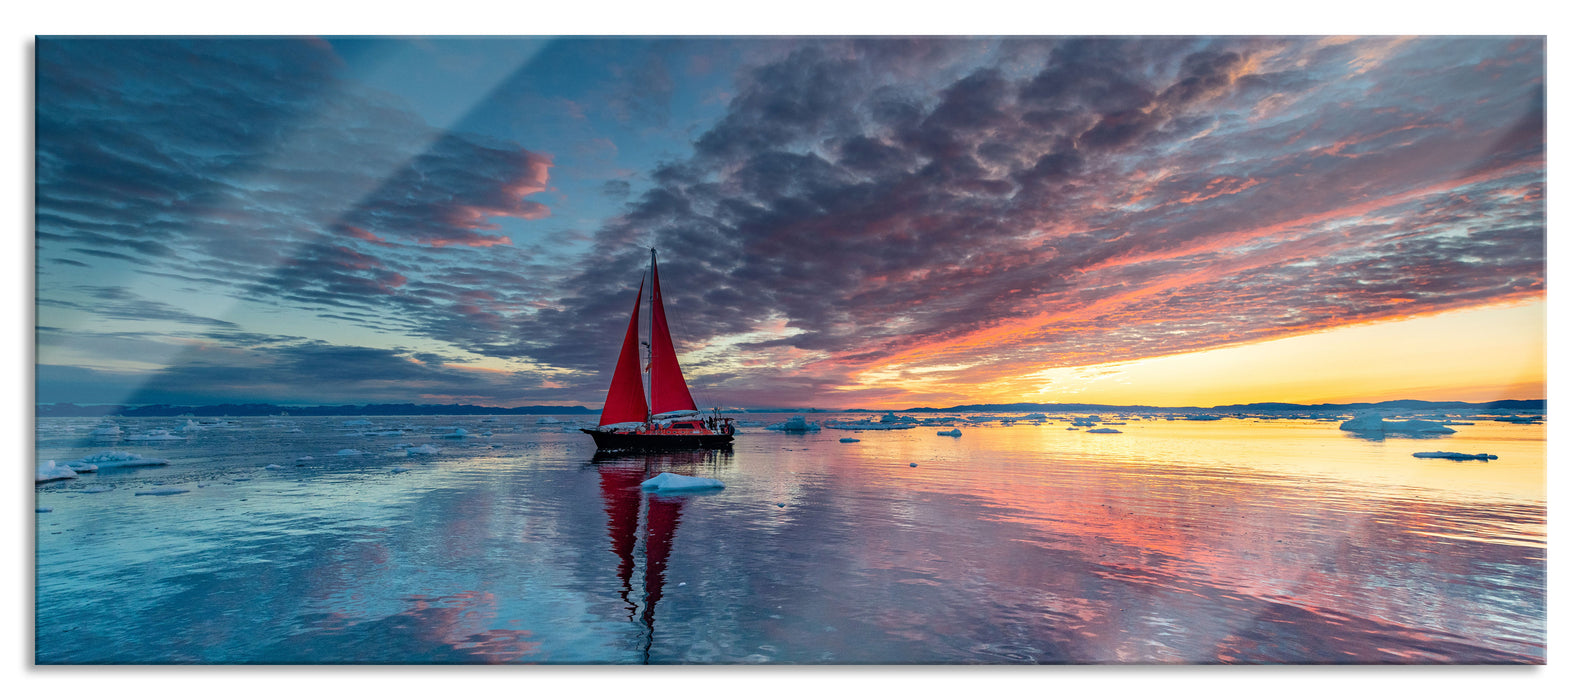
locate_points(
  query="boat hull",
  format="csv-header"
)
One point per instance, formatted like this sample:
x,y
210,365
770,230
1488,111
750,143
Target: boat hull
x,y
653,442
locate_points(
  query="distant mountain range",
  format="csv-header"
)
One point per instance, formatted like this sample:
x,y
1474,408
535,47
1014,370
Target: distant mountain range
x,y
68,410
264,409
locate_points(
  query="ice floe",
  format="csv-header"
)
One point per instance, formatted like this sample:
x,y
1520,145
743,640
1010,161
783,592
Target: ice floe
x,y
112,458
161,491
870,425
953,432
1457,456
850,440
458,433
50,471
1103,430
349,452
423,449
357,422
107,430
667,481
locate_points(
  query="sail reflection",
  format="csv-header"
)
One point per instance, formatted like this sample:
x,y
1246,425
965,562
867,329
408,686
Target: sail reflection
x,y
633,512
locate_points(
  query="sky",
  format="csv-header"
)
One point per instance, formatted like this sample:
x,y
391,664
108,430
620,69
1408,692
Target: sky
x,y
841,222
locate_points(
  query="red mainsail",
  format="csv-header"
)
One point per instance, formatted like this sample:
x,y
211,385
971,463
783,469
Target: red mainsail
x,y
625,403
665,383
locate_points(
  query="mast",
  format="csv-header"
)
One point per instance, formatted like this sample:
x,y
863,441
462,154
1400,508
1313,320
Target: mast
x,y
667,387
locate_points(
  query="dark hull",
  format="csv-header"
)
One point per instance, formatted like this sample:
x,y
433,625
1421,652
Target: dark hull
x,y
637,442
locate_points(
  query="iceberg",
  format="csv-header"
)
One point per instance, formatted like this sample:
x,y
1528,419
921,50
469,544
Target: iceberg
x,y
1103,430
850,440
423,449
107,430
459,433
676,482
953,432
50,471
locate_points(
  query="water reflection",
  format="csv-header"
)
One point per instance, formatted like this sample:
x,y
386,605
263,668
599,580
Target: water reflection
x,y
1171,542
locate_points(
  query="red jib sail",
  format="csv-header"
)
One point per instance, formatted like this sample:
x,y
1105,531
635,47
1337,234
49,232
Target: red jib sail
x,y
665,383
624,403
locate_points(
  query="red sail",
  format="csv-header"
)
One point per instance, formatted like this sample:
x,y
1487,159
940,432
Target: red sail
x,y
625,403
665,383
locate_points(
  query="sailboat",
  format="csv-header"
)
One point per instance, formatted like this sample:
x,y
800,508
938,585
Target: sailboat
x,y
667,418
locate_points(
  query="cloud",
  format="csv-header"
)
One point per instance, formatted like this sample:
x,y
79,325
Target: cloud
x,y
862,208
1116,203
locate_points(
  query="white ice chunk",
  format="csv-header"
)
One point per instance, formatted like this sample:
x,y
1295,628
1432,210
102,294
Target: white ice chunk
x,y
676,482
50,471
156,435
796,424
1374,423
113,458
459,433
349,452
423,449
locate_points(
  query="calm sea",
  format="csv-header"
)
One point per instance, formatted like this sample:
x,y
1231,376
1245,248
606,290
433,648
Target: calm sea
x,y
1239,541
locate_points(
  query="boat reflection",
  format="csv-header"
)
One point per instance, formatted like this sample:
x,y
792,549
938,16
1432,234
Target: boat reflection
x,y
636,515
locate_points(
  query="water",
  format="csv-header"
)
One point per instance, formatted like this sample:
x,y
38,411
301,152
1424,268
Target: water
x,y
1240,541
